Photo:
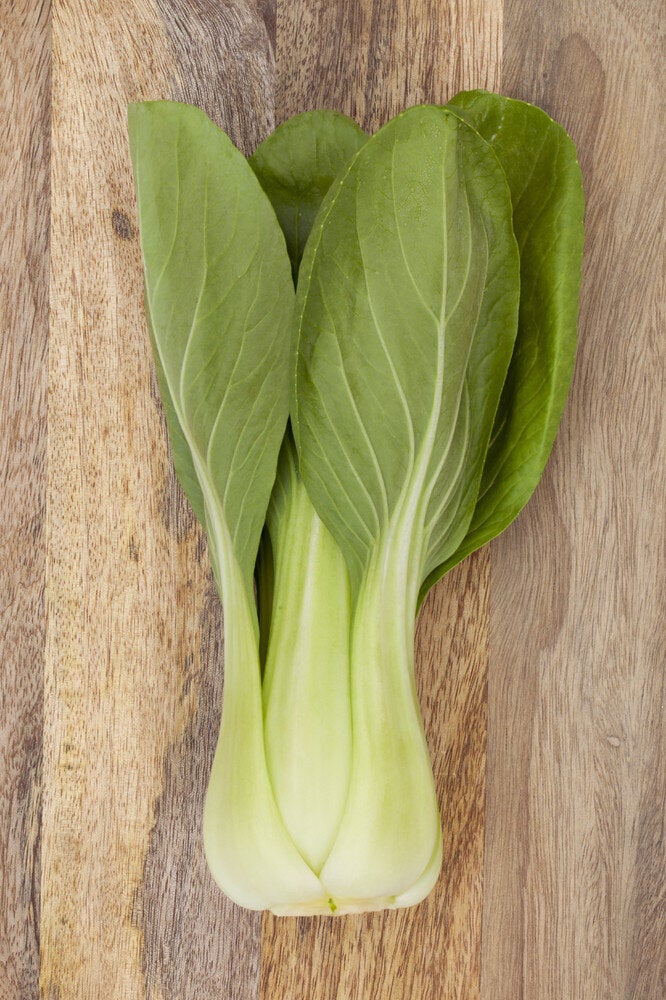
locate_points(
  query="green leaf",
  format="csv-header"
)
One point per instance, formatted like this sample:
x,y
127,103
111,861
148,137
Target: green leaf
x,y
407,299
296,166
219,300
539,160
407,302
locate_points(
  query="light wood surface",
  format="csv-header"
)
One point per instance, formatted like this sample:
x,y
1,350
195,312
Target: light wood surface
x,y
24,222
575,875
554,635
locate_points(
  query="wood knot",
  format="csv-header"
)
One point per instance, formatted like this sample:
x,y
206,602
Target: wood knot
x,y
122,226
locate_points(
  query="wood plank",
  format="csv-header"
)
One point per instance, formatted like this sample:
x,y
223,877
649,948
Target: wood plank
x,y
24,179
133,666
575,877
370,60
574,874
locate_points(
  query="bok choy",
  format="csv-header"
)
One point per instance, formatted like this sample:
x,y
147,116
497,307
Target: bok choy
x,y
363,346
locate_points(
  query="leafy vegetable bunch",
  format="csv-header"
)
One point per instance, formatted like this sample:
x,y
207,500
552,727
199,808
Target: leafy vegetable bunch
x,y
363,346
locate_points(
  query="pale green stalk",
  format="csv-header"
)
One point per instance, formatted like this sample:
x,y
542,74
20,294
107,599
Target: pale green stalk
x,y
306,696
344,739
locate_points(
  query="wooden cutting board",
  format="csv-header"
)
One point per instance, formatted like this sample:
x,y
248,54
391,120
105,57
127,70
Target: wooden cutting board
x,y
551,641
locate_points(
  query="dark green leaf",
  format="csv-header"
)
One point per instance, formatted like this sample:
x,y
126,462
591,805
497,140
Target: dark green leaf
x,y
539,160
220,301
296,166
408,297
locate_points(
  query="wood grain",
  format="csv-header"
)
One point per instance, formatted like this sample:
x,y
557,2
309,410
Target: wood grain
x,y
371,60
133,668
565,612
575,881
24,180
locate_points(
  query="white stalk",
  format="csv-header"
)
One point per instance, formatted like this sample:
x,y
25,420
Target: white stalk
x,y
389,842
306,683
250,853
